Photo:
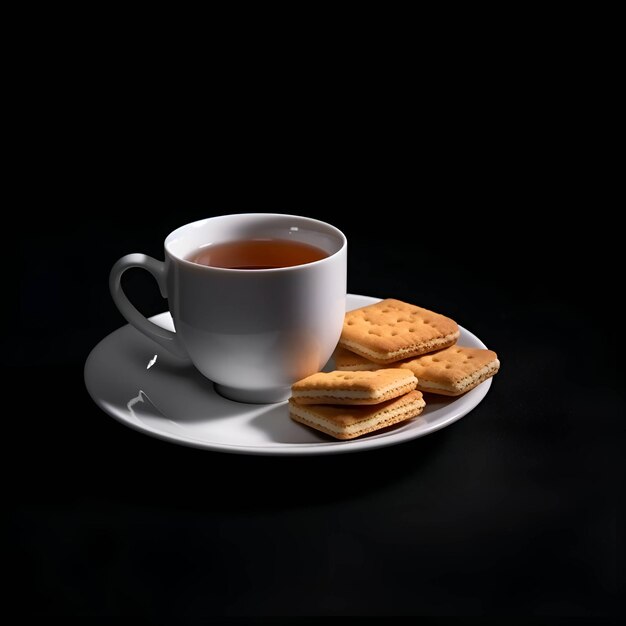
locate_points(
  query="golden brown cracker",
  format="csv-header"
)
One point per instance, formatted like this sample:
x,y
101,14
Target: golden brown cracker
x,y
348,422
392,330
453,371
348,361
353,387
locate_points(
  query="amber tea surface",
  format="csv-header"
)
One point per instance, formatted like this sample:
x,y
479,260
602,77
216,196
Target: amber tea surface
x,y
257,254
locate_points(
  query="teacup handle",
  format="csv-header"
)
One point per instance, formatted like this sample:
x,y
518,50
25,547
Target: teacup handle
x,y
165,338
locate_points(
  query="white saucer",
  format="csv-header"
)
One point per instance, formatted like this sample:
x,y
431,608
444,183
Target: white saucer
x,y
171,400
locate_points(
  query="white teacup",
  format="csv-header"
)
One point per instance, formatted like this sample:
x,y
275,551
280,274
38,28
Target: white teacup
x,y
253,332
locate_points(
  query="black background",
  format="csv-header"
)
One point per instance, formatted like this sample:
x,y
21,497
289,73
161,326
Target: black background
x,y
513,512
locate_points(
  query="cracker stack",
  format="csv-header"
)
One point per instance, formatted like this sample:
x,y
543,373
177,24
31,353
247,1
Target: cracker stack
x,y
346,405
395,334
388,353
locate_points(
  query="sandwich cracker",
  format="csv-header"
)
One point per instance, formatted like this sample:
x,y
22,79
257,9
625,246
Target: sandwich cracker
x,y
348,422
392,330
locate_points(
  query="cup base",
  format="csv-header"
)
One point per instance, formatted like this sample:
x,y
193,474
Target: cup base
x,y
254,396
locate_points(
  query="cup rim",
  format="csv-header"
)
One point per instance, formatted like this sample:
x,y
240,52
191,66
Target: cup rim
x,y
177,231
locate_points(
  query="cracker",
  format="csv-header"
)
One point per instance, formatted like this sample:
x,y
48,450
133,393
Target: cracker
x,y
353,387
348,361
392,330
348,422
453,371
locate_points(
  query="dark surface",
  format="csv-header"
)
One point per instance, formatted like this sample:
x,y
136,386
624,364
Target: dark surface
x,y
514,511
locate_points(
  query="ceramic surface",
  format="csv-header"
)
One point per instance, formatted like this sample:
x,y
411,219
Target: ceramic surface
x,y
252,332
143,386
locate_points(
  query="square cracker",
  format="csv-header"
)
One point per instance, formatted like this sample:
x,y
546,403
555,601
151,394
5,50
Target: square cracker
x,y
353,387
348,422
453,371
348,361
392,330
